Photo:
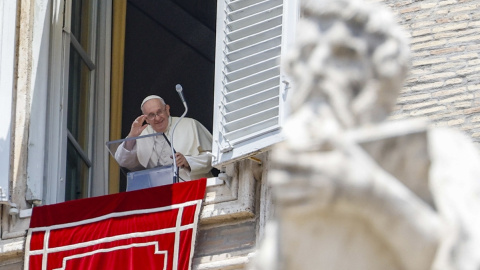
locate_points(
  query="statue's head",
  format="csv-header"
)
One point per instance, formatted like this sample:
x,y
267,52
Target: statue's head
x,y
350,55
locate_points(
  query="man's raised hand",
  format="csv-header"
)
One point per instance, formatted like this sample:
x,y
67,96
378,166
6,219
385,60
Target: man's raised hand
x,y
137,126
135,131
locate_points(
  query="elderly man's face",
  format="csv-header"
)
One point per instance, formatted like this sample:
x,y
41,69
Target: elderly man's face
x,y
157,114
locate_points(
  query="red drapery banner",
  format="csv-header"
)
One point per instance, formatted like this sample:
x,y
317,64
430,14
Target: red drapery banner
x,y
145,229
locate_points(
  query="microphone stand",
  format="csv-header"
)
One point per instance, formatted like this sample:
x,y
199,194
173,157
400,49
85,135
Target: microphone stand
x,y
175,168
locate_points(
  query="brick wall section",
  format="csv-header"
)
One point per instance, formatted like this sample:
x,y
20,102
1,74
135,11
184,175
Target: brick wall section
x,y
444,83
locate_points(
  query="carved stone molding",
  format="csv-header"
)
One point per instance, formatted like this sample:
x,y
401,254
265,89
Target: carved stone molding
x,y
233,199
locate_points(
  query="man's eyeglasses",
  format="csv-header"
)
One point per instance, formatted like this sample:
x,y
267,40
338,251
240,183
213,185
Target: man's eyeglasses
x,y
152,116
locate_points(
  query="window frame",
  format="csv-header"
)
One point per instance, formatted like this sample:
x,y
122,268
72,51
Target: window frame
x,y
87,58
57,130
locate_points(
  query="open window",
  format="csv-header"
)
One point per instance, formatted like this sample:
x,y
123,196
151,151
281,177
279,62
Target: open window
x,y
241,98
234,86
230,74
73,104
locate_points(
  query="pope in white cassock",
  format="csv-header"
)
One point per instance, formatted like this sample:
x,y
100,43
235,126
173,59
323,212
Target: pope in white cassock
x,y
192,142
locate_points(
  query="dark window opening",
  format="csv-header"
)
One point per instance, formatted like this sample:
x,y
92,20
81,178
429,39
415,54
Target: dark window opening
x,y
168,43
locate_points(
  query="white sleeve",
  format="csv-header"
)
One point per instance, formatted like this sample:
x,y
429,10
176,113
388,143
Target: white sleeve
x,y
200,164
127,159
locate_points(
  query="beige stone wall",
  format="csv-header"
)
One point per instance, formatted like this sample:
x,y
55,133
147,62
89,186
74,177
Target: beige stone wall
x,y
444,82
225,246
13,229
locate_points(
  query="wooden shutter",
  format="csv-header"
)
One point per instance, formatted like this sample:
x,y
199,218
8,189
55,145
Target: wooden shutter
x,y
249,84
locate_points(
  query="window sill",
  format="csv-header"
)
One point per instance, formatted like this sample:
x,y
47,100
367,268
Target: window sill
x,y
231,199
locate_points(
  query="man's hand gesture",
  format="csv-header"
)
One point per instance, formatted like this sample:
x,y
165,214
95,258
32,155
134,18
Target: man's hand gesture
x,y
135,131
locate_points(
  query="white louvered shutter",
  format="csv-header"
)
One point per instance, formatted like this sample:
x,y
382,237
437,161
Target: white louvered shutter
x,y
250,88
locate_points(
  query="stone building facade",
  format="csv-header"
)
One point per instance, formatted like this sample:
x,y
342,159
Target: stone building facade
x,y
443,86
444,82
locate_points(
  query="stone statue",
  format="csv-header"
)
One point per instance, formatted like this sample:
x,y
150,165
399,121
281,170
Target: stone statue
x,y
351,190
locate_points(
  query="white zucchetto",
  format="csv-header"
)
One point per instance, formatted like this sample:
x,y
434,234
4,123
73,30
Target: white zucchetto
x,y
151,97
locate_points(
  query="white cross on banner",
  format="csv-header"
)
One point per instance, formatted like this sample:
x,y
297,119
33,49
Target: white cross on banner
x,y
145,229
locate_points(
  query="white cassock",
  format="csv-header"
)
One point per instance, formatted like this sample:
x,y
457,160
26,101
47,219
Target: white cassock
x,y
191,139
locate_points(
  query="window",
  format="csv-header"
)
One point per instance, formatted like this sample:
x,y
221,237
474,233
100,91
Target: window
x,y
250,88
78,100
80,92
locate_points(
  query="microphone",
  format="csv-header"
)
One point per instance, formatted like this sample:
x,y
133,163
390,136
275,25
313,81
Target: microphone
x,y
179,89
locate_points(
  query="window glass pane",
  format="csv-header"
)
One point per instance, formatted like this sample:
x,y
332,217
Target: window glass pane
x,y
81,22
78,99
76,185
80,91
